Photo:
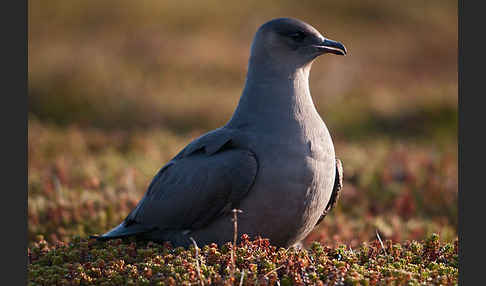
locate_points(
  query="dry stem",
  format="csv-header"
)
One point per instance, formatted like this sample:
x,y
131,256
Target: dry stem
x,y
381,242
235,237
197,261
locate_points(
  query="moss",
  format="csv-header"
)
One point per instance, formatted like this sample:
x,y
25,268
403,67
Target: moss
x,y
149,263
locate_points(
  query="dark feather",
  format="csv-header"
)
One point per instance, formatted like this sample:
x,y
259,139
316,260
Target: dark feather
x,y
193,189
338,185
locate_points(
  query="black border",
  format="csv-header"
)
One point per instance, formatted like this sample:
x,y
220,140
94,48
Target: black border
x,y
471,141
14,124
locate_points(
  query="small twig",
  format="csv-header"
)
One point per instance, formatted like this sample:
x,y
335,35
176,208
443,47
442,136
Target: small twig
x,y
235,237
274,270
197,261
235,225
242,275
381,242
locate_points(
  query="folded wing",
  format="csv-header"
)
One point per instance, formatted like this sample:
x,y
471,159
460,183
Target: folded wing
x,y
193,189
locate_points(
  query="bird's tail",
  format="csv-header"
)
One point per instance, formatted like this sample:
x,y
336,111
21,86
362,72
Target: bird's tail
x,y
122,230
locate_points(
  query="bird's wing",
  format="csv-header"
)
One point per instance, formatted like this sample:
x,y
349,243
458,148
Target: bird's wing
x,y
338,185
205,179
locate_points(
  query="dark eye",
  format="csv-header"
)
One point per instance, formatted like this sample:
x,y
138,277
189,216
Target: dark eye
x,y
297,36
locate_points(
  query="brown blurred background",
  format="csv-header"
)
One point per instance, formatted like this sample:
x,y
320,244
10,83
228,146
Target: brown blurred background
x,y
116,88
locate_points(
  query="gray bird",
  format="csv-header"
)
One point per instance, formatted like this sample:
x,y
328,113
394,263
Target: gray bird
x,y
274,159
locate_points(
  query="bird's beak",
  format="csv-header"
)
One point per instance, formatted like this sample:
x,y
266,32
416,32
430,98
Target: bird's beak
x,y
330,46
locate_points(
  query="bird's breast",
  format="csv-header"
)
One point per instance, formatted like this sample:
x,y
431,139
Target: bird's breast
x,y
295,175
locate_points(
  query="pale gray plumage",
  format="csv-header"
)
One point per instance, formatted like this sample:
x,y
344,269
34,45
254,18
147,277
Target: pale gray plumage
x,y
274,159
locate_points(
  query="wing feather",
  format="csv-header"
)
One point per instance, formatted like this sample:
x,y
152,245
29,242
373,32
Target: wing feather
x,y
338,185
193,190
208,177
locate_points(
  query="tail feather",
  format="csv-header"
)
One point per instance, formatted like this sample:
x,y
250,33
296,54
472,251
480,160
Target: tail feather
x,y
123,231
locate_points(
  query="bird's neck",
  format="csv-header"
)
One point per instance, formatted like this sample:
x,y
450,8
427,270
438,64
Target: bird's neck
x,y
275,98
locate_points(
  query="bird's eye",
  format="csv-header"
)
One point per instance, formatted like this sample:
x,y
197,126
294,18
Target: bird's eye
x,y
298,36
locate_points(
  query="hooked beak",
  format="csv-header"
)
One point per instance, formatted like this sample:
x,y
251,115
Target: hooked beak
x,y
330,46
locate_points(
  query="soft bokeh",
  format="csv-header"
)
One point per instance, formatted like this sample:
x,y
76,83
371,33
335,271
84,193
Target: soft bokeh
x,y
116,88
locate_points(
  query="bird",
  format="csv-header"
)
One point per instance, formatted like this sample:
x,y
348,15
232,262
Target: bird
x,y
274,159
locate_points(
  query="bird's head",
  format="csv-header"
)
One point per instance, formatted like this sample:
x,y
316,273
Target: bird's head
x,y
291,41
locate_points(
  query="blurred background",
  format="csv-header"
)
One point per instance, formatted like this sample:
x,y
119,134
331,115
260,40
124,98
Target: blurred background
x,y
117,88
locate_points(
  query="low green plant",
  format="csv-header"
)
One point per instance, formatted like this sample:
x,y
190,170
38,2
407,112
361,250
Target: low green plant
x,y
257,262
